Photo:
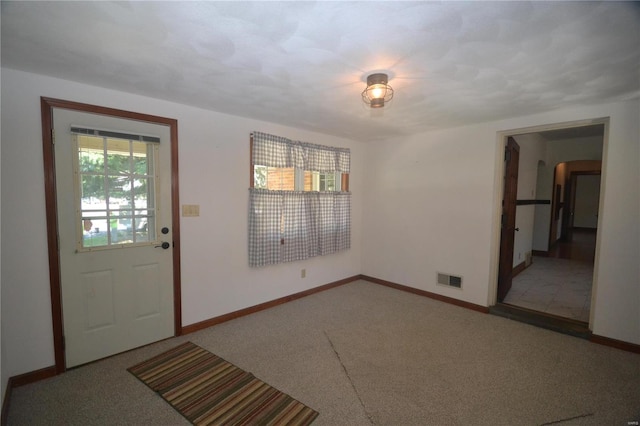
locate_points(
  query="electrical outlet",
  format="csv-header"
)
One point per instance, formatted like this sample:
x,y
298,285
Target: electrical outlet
x,y
303,273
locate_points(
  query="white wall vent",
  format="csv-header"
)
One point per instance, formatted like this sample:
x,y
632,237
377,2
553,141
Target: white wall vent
x,y
449,280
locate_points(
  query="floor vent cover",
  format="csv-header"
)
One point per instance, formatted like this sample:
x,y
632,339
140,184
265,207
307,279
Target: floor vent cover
x,y
449,280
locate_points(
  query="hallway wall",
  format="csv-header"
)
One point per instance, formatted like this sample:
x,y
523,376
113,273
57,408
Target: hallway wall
x,y
587,202
533,149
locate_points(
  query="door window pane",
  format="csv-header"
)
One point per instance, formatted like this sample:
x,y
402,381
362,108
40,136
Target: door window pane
x,y
117,191
141,189
93,189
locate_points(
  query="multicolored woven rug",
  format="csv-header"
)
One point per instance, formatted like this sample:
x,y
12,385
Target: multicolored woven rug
x,y
207,390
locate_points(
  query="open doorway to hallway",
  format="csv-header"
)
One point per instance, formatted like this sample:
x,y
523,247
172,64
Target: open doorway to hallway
x,y
556,223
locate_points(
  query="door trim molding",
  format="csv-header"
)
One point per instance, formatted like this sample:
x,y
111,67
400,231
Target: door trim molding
x,y
498,188
47,105
508,217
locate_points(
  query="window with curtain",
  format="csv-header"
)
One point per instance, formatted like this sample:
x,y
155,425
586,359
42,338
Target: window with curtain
x,y
299,200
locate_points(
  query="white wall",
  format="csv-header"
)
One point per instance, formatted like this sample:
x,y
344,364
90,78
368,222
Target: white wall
x,y
433,204
542,212
587,201
213,149
429,208
430,203
533,149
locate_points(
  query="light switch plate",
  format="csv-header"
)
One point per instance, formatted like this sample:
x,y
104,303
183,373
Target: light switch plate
x,y
190,210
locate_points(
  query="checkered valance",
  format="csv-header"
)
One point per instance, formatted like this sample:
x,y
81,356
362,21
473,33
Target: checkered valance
x,y
276,151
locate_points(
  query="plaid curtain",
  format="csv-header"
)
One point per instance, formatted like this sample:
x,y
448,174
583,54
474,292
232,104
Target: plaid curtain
x,y
342,217
333,218
265,225
289,225
276,151
272,151
299,233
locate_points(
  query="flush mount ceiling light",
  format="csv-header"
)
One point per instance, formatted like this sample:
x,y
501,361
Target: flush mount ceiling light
x,y
378,91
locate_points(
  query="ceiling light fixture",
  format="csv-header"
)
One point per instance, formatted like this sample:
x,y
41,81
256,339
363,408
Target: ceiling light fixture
x,y
378,91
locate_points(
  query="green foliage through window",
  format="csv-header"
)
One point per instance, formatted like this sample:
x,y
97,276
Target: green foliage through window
x,y
116,191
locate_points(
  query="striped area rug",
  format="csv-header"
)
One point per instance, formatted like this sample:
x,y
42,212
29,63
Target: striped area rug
x,y
207,390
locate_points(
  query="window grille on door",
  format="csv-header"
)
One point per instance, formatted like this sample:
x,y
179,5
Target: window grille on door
x,y
115,181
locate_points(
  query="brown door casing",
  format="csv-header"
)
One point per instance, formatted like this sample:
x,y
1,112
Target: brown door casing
x,y
507,234
47,105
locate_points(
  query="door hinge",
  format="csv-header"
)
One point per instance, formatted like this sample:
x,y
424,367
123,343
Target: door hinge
x,y
507,154
64,343
53,136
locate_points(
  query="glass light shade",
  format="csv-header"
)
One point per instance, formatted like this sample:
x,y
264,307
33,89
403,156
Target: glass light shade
x,y
378,91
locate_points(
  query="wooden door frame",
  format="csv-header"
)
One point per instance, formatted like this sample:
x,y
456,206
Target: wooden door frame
x,y
508,218
47,105
498,188
556,205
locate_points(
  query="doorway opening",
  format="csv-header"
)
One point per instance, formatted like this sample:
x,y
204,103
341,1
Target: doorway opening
x,y
551,273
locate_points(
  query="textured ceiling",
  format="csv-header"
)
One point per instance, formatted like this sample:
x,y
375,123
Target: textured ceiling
x,y
304,64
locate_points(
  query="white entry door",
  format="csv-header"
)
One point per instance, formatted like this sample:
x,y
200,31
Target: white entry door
x,y
113,191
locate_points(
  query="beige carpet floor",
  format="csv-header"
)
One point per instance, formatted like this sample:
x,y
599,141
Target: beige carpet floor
x,y
363,354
